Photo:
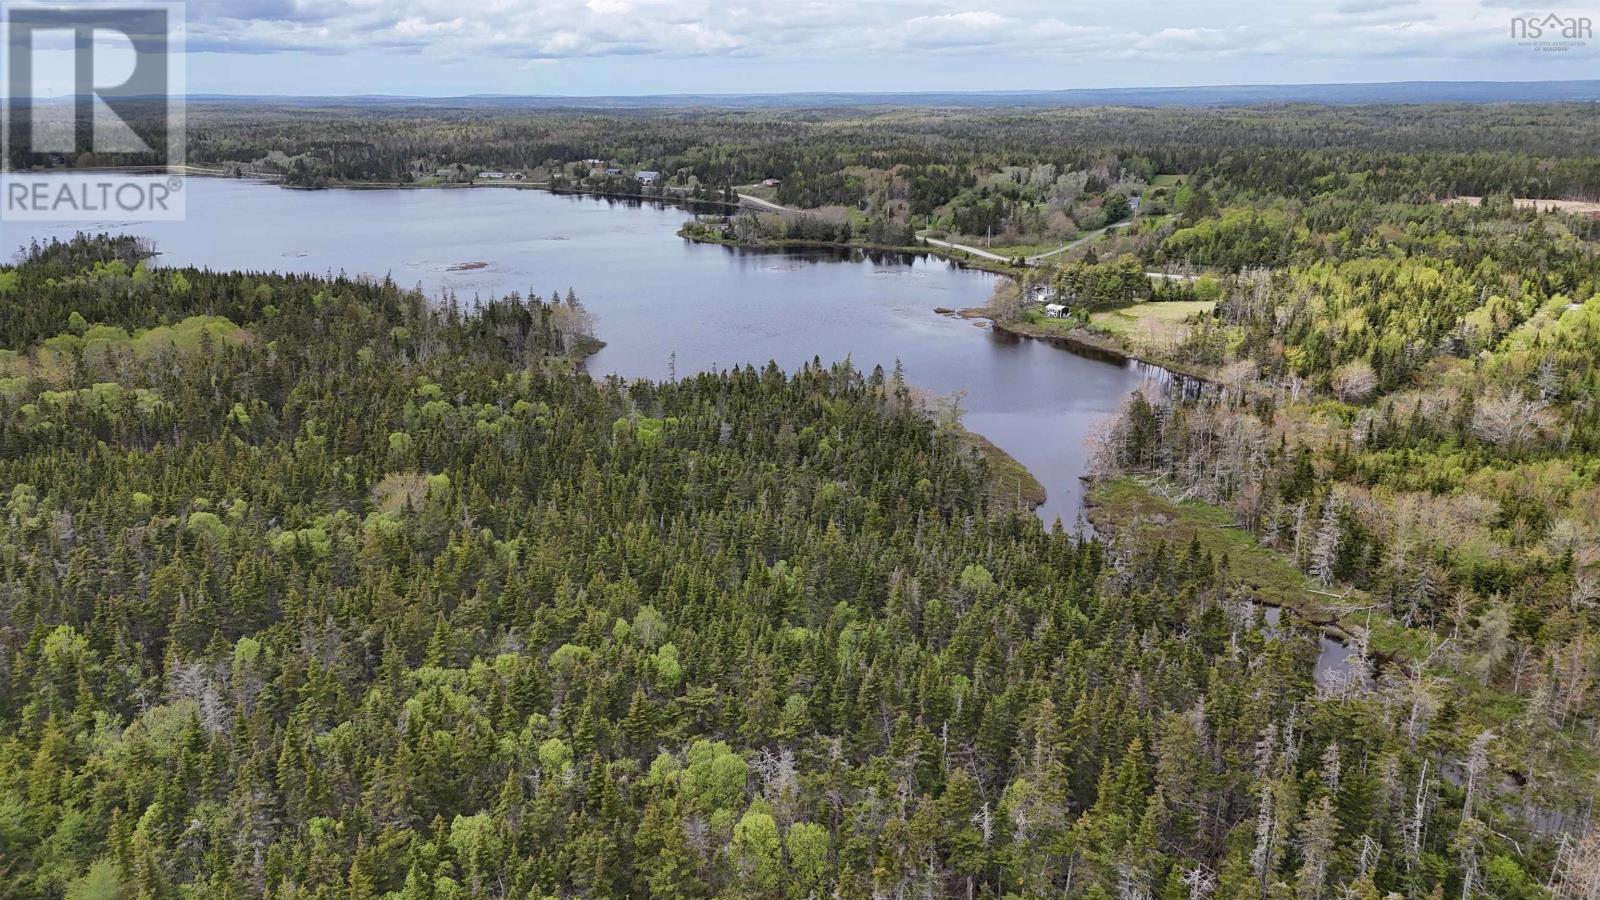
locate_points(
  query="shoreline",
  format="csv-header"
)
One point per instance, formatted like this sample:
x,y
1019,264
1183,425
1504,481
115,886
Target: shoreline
x,y
1088,343
190,171
1013,484
664,200
965,262
959,257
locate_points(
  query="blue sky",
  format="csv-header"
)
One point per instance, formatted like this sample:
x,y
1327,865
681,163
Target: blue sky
x,y
577,47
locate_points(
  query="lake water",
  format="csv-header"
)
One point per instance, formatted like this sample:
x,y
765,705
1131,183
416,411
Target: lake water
x,y
661,301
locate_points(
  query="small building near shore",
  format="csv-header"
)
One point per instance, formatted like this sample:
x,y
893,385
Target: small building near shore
x,y
492,176
1054,310
647,177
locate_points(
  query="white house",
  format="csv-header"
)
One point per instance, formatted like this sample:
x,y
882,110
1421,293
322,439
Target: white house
x,y
646,177
493,176
1054,310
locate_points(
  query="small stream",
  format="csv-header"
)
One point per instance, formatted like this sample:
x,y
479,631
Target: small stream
x,y
1339,665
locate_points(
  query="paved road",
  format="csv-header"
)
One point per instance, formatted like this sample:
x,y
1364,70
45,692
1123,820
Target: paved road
x,y
1088,237
768,205
973,250
1069,245
1031,259
976,251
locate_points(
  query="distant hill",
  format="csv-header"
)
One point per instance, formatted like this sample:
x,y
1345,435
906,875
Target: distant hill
x,y
1216,95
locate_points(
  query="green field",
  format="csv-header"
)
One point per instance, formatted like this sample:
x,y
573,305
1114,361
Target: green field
x,y
1127,320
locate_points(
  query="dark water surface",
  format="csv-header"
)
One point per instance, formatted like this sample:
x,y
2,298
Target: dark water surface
x,y
659,300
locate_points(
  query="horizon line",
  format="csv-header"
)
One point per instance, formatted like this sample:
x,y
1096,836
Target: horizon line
x,y
1431,91
919,93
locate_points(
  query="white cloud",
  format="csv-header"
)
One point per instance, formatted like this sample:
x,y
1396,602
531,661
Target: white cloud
x,y
863,29
1361,7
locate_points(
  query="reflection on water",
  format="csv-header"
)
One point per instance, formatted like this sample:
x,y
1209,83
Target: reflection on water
x,y
662,303
1339,664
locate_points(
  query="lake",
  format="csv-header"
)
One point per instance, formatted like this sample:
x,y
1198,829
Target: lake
x,y
661,302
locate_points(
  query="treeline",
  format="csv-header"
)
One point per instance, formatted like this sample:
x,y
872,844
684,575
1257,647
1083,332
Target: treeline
x,y
770,228
919,160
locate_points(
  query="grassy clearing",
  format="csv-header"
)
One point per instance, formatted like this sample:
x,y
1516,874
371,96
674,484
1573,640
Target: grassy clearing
x,y
1130,321
1040,323
1575,207
1065,332
1122,504
1152,330
1169,181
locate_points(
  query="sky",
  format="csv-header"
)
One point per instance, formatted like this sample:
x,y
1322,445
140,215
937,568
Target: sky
x,y
633,47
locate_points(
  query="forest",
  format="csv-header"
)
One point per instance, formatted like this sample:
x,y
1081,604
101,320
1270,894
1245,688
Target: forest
x,y
1012,177
1397,398
314,589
